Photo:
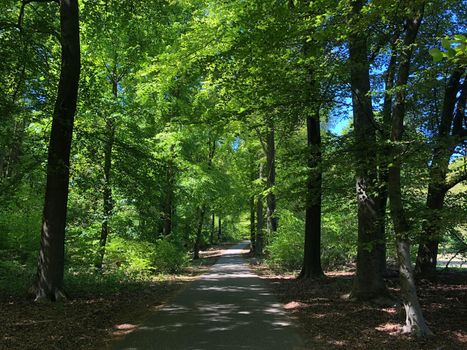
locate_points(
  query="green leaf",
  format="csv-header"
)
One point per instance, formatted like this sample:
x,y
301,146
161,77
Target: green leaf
x,y
437,54
446,43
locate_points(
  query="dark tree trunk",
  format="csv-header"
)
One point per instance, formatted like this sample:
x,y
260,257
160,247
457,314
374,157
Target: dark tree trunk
x,y
445,143
271,220
213,224
259,241
368,283
312,251
49,281
107,193
415,322
199,233
252,224
312,248
168,201
219,229
383,158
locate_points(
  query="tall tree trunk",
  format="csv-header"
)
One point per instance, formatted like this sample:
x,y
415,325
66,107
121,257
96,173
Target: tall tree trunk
x,y
259,241
199,233
252,224
49,280
383,159
213,224
445,142
312,250
219,229
271,220
107,193
168,200
415,322
368,283
312,247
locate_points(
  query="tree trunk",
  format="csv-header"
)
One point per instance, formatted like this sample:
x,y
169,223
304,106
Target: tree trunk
x,y
259,241
252,224
49,280
444,146
219,229
312,250
271,220
168,201
213,224
368,283
415,322
199,233
107,193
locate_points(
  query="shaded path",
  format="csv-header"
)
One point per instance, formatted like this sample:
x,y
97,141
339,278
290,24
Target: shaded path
x,y
227,308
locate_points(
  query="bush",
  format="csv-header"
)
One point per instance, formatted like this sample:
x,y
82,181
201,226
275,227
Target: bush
x,y
169,257
286,247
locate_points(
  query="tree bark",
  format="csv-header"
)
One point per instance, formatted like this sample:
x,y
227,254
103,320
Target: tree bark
x,y
445,143
312,249
219,229
415,322
271,220
49,280
259,241
169,200
252,224
107,193
213,223
199,233
368,283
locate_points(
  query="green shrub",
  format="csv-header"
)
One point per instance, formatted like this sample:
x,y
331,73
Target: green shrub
x,y
169,257
286,247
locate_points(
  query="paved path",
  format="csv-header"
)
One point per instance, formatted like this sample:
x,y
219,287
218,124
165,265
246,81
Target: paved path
x,y
227,308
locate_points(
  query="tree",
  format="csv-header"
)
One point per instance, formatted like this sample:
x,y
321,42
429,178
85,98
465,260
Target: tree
x,y
368,283
415,323
49,280
449,134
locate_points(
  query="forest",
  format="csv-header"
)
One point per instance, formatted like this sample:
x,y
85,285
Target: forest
x,y
137,138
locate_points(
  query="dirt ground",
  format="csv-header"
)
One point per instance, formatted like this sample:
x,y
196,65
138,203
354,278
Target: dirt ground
x,y
329,320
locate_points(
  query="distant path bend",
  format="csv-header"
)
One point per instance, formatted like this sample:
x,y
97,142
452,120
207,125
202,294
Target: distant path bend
x,y
229,307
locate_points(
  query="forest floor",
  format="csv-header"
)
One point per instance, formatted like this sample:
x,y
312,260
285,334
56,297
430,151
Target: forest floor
x,y
90,320
329,320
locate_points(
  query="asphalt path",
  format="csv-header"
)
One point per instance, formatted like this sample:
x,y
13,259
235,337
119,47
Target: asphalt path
x,y
229,307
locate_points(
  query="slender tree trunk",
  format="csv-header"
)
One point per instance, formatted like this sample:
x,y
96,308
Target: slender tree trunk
x,y
368,283
252,224
168,201
445,143
219,229
199,233
383,159
49,280
271,220
107,193
428,247
415,322
213,224
259,241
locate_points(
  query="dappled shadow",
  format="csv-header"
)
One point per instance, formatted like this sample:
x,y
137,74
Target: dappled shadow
x,y
227,308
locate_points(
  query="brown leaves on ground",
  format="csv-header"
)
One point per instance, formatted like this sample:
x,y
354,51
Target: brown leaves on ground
x,y
329,320
82,323
89,321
